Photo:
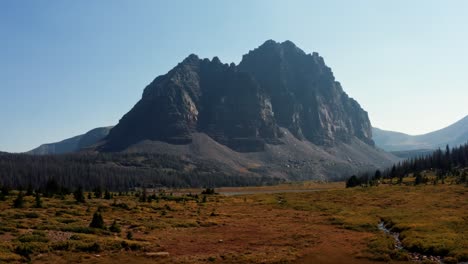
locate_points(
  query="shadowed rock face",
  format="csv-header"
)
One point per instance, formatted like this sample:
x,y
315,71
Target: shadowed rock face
x,y
243,106
199,95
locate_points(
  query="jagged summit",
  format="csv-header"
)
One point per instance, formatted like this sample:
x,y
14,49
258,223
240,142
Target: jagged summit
x,y
285,48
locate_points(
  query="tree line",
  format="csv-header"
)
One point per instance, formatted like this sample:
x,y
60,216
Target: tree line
x,y
116,172
449,162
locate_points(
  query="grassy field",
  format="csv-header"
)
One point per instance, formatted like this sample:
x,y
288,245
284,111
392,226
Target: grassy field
x,y
330,225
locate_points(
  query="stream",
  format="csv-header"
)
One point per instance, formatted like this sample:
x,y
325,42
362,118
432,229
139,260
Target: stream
x,y
414,256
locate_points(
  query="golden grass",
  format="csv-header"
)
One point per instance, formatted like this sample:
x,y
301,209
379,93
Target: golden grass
x,y
334,223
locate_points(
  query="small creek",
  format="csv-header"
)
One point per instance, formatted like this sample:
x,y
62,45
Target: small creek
x,y
398,245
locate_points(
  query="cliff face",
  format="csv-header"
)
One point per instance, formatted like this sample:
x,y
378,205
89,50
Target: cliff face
x,y
199,95
305,97
243,107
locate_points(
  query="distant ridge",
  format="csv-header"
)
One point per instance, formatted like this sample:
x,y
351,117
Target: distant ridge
x,y
453,135
73,144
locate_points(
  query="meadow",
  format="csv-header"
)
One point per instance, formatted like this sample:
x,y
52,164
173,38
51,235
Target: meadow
x,y
320,223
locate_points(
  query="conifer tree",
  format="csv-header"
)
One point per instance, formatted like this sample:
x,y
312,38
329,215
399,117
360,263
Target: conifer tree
x,y
97,221
79,196
19,201
38,200
98,192
107,195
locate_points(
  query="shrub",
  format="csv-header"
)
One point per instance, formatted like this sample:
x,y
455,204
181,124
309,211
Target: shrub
x,y
28,248
353,181
29,190
38,201
121,205
97,221
208,191
129,235
94,247
33,238
79,196
107,195
62,245
115,228
5,190
24,250
98,192
19,201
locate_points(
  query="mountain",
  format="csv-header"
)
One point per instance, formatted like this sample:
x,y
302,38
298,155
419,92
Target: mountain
x,y
276,85
73,144
279,112
453,135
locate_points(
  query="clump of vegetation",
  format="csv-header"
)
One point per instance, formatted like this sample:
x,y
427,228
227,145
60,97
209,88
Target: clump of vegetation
x,y
129,235
36,236
120,205
19,201
107,195
143,197
419,178
79,195
38,201
115,228
209,191
89,247
98,192
353,181
97,221
29,190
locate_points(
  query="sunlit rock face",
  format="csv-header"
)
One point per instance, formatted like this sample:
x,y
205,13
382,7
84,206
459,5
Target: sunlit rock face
x,y
305,97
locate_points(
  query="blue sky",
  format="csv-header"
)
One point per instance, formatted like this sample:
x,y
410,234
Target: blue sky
x,y
69,66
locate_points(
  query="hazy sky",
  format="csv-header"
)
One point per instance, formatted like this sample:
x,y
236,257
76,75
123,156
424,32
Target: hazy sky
x,y
69,66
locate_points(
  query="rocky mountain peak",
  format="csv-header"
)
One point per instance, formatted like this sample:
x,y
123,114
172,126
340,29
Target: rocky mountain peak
x,y
305,97
192,58
243,107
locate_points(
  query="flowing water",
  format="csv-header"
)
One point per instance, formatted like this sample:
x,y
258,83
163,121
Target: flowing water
x,y
398,245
